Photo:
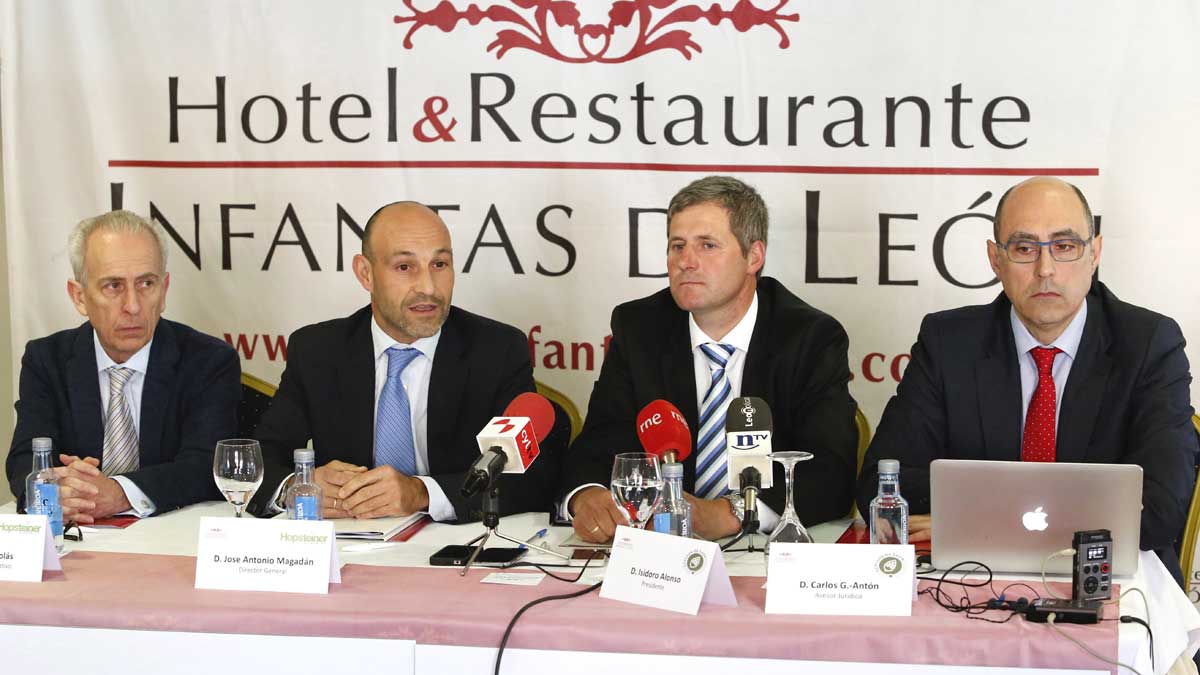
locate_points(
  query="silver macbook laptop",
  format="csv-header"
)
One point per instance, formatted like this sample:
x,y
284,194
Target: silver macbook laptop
x,y
1011,515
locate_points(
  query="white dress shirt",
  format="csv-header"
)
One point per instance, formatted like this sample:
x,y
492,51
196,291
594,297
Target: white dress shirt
x,y
415,380
139,504
739,338
1068,342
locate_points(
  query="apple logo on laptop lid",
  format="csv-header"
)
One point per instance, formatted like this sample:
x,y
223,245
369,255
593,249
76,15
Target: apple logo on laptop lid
x,y
1034,520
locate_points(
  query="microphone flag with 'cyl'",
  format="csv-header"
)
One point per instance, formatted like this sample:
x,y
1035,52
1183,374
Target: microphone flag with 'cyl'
x,y
510,443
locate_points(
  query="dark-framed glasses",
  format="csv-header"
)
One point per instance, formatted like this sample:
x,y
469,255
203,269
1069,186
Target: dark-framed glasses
x,y
1024,251
77,536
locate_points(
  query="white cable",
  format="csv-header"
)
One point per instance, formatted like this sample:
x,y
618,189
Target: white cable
x,y
1052,556
1050,620
1145,603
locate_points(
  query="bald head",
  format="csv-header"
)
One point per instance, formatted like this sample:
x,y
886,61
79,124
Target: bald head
x,y
411,217
407,266
1044,188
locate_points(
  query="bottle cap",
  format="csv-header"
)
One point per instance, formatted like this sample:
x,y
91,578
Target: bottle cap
x,y
672,470
889,466
42,445
304,456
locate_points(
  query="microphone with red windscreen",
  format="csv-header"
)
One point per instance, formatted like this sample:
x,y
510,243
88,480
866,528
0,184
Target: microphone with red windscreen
x,y
664,432
509,443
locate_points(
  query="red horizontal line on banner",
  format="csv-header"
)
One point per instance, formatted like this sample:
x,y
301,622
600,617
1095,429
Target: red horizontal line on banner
x,y
605,166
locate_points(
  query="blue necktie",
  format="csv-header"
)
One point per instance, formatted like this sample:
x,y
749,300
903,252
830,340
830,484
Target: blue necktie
x,y
710,440
393,426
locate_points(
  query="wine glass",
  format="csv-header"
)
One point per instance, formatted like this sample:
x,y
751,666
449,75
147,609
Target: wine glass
x,y
238,471
637,486
789,530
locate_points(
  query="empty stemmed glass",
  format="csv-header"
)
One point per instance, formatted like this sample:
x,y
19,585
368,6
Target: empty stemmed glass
x,y
789,530
637,485
238,471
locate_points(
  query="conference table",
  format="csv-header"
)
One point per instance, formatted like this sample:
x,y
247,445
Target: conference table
x,y
125,602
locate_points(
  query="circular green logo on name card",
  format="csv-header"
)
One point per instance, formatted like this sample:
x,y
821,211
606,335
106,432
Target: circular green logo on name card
x,y
889,565
695,561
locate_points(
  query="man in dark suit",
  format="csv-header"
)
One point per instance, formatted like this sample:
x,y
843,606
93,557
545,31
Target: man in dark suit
x,y
1055,369
135,404
393,395
719,332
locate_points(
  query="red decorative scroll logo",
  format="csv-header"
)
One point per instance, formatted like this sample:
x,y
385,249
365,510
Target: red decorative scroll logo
x,y
555,28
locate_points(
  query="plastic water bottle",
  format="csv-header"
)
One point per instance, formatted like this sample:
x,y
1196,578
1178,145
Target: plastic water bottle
x,y
889,511
304,496
41,490
673,515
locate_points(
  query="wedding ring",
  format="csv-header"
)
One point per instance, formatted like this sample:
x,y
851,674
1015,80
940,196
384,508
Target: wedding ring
x,y
335,502
594,529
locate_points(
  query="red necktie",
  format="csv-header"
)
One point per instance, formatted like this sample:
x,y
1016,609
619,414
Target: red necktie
x,y
1038,443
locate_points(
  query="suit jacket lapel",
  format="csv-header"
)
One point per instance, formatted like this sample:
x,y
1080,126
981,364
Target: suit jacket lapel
x,y
84,394
679,372
679,380
1085,388
447,384
156,391
755,376
356,389
998,390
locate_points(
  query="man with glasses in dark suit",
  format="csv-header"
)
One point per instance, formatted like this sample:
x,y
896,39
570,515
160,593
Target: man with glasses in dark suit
x,y
1055,369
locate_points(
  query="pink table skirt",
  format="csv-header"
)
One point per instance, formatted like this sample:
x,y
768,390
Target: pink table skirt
x,y
436,606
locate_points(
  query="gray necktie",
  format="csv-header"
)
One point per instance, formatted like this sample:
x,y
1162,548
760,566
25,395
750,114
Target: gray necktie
x,y
120,436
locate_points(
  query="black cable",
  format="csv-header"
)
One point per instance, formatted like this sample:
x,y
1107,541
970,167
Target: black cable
x,y
1133,619
1004,591
963,605
542,567
731,542
533,603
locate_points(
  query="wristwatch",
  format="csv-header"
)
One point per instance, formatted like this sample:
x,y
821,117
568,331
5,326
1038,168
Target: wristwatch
x,y
738,504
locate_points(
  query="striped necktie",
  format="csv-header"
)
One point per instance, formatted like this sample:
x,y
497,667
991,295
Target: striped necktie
x,y
710,440
393,426
120,454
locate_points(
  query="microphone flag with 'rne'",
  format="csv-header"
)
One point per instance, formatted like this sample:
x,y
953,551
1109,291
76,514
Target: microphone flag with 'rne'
x,y
664,432
748,440
509,443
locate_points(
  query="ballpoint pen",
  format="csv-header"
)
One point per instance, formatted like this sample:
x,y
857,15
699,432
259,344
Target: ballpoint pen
x,y
536,535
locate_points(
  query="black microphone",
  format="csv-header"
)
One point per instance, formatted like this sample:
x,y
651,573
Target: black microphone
x,y
747,446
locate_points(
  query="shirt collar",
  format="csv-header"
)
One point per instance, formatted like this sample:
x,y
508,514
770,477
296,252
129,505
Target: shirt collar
x,y
1068,342
383,342
139,362
739,337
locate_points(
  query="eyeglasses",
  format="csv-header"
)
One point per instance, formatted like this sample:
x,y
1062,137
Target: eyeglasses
x,y
1025,251
72,525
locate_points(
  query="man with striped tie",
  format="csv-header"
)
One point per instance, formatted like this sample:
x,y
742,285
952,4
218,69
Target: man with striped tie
x,y
133,403
392,396
720,331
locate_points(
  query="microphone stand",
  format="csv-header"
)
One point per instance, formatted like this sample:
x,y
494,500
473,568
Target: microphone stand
x,y
491,523
751,482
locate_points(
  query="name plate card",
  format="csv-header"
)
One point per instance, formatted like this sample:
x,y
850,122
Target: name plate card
x,y
26,548
653,569
840,579
245,554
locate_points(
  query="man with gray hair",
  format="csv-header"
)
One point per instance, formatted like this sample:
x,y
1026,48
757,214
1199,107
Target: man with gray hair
x,y
133,403
720,331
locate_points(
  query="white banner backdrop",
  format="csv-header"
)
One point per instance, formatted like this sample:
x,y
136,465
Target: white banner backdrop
x,y
552,134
